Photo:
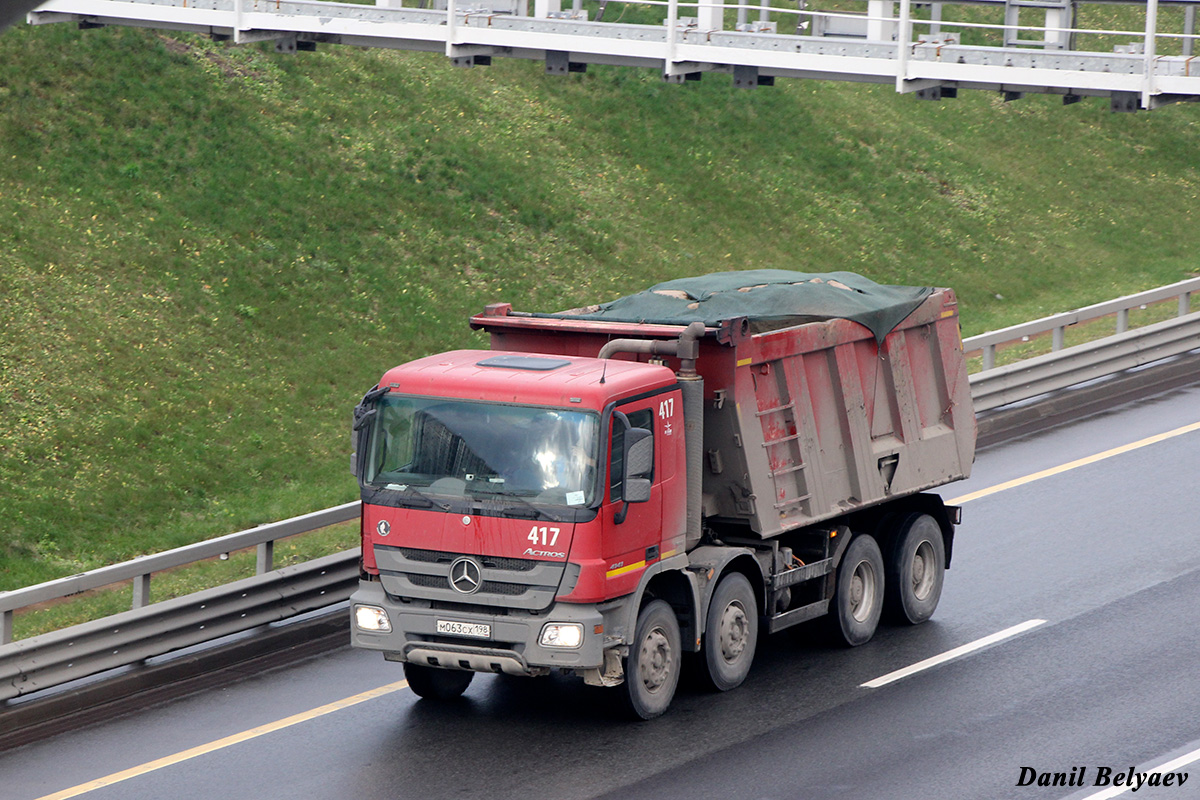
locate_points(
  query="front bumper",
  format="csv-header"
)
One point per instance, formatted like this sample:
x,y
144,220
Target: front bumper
x,y
513,646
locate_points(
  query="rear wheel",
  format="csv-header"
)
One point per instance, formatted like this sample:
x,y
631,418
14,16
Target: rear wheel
x,y
858,597
730,633
437,684
652,666
916,570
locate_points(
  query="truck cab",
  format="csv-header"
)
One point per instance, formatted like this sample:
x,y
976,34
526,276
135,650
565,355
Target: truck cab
x,y
508,498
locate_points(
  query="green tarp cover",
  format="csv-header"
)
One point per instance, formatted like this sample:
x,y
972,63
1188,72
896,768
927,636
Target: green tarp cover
x,y
768,298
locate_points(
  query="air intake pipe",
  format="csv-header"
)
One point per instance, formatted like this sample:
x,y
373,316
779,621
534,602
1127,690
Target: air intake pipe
x,y
687,349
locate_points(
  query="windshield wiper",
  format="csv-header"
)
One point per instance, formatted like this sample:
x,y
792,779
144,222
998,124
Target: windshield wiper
x,y
423,500
525,509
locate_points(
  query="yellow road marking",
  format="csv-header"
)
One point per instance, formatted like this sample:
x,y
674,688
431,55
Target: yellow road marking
x,y
1082,462
228,741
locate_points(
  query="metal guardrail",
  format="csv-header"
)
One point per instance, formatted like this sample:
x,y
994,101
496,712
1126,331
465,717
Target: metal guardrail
x,y
132,636
1058,370
1058,323
150,630
139,570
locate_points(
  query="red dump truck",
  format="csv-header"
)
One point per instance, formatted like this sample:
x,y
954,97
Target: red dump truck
x,y
672,472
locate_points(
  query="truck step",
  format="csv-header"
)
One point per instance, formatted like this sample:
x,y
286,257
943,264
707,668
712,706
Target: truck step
x,y
791,577
795,616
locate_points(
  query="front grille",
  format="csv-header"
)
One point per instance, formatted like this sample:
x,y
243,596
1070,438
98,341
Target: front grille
x,y
429,581
491,562
488,587
496,587
507,582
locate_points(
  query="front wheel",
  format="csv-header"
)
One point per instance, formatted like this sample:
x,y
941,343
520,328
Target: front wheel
x,y
858,597
437,684
730,633
916,570
652,666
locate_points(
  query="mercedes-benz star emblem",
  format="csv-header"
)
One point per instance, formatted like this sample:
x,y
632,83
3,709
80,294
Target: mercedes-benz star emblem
x,y
465,576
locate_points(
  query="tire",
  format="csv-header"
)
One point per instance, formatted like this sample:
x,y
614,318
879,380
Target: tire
x,y
433,683
730,633
858,596
652,666
916,570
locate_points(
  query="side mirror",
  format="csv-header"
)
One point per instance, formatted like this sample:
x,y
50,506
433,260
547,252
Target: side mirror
x,y
364,414
635,466
639,462
637,490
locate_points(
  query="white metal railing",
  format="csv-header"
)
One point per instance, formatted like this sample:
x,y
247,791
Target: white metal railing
x,y
920,47
140,570
986,344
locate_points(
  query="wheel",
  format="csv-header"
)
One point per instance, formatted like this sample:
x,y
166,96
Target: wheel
x,y
437,684
730,633
652,666
916,570
858,597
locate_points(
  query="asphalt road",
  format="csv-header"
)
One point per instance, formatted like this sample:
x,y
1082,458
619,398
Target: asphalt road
x,y
1101,562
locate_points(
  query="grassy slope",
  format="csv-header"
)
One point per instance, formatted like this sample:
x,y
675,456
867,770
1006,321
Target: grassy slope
x,y
207,253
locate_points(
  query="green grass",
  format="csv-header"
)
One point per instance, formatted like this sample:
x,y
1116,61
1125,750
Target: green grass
x,y
208,253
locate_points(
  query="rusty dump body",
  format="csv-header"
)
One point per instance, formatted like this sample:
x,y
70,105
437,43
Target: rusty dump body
x,y
806,422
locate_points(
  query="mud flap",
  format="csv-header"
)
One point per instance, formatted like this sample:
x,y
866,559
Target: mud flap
x,y
613,674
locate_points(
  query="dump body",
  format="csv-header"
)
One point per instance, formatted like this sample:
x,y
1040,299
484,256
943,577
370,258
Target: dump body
x,y
808,422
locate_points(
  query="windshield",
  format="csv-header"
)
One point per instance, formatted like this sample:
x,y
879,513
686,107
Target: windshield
x,y
464,448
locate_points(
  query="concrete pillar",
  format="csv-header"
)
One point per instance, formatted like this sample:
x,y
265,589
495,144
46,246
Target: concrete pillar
x,y
879,30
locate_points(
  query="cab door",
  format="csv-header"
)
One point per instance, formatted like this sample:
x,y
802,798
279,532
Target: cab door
x,y
632,538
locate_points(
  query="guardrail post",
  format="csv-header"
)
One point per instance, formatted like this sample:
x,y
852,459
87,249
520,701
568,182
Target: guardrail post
x,y
989,356
903,44
710,15
879,26
1059,334
1123,320
672,24
265,560
1189,30
141,591
1150,51
1185,304
6,625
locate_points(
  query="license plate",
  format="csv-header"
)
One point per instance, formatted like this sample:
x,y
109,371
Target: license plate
x,y
476,630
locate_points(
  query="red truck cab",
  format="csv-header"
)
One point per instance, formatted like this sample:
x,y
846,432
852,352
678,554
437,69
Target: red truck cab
x,y
494,510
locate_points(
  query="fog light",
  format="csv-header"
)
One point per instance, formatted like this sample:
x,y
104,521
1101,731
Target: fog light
x,y
372,618
561,634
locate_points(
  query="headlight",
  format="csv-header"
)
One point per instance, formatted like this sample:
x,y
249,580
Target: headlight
x,y
372,618
562,634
